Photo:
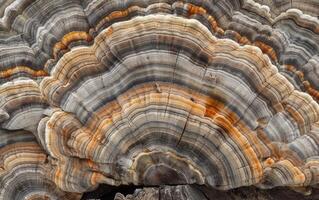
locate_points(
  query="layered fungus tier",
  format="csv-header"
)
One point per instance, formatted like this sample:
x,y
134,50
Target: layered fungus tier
x,y
150,93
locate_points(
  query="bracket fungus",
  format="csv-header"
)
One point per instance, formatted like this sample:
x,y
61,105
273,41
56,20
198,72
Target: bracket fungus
x,y
157,92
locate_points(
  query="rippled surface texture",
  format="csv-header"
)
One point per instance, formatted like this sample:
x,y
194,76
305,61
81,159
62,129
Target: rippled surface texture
x,y
221,93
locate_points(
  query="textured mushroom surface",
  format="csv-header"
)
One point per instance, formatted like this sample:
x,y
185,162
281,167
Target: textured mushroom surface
x,y
220,93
